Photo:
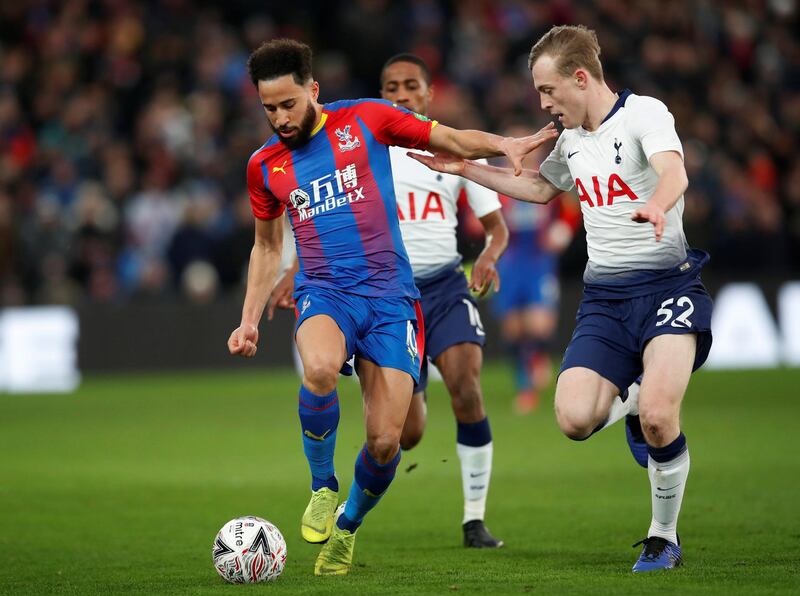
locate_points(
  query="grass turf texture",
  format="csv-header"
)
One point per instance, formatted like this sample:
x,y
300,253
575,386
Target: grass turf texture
x,y
121,487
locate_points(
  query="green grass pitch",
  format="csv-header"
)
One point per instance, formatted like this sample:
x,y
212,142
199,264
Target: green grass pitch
x,y
121,487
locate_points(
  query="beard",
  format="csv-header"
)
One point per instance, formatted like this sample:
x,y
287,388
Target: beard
x,y
303,131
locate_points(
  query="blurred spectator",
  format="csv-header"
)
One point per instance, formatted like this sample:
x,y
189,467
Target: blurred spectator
x,y
125,126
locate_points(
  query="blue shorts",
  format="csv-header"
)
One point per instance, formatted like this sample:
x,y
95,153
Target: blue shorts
x,y
526,281
451,316
610,335
384,331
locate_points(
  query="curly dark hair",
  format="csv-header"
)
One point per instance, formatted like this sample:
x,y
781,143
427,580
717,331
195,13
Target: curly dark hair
x,y
279,57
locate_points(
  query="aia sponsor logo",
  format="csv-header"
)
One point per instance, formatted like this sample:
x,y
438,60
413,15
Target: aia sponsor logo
x,y
432,208
616,188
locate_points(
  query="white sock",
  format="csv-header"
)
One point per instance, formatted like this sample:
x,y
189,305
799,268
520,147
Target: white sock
x,y
619,409
476,470
667,483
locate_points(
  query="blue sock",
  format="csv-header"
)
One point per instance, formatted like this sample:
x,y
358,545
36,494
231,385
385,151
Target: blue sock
x,y
319,419
668,452
474,434
370,482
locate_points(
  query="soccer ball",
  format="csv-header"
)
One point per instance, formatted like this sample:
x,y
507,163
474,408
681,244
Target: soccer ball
x,y
248,550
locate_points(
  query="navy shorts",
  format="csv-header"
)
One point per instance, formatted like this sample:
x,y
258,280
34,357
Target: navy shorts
x,y
610,335
451,316
384,331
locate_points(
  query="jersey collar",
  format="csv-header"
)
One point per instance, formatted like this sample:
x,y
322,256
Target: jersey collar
x,y
622,98
320,124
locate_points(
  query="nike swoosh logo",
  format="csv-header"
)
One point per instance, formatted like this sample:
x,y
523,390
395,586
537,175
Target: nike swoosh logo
x,y
569,155
311,435
471,475
318,530
670,488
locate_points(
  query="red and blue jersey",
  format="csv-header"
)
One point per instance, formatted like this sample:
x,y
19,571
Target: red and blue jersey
x,y
339,194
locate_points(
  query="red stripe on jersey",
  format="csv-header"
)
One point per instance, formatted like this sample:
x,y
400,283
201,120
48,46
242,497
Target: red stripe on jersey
x,y
420,332
263,202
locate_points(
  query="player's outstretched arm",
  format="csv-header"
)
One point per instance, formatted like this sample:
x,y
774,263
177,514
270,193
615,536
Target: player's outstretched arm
x,y
474,144
528,186
672,183
265,259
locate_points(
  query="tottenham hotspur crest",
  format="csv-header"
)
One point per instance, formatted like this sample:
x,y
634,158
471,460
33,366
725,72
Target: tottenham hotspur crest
x,y
347,142
617,147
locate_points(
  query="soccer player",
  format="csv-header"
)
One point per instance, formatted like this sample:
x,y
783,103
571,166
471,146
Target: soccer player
x,y
328,166
454,335
645,310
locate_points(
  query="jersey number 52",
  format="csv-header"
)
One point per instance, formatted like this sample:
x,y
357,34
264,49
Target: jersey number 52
x,y
682,319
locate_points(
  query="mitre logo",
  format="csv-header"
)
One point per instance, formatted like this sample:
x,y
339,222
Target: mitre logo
x,y
299,198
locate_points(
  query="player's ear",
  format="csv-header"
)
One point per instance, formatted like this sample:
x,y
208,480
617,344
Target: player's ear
x,y
581,78
314,89
430,93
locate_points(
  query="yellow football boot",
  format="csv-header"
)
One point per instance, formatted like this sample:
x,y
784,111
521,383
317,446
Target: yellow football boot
x,y
318,517
336,556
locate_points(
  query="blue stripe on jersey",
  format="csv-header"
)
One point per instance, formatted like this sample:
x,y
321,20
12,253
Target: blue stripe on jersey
x,y
337,230
381,167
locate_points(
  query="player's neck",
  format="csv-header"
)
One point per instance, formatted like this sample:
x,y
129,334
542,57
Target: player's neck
x,y
318,118
600,104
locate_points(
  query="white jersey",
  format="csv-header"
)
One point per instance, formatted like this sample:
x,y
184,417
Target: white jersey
x,y
426,207
611,173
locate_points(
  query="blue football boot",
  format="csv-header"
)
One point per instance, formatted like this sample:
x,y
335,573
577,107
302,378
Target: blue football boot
x,y
657,553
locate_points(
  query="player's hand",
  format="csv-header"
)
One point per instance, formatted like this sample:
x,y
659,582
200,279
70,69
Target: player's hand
x,y
243,341
281,296
651,214
440,162
484,275
516,149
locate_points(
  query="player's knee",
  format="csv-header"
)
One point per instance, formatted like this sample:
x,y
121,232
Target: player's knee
x,y
574,425
383,446
658,423
466,396
320,375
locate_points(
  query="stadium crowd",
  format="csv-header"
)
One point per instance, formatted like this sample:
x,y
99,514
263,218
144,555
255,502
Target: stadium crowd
x,y
125,126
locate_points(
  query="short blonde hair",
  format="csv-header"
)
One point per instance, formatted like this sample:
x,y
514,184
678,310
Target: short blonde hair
x,y
571,47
